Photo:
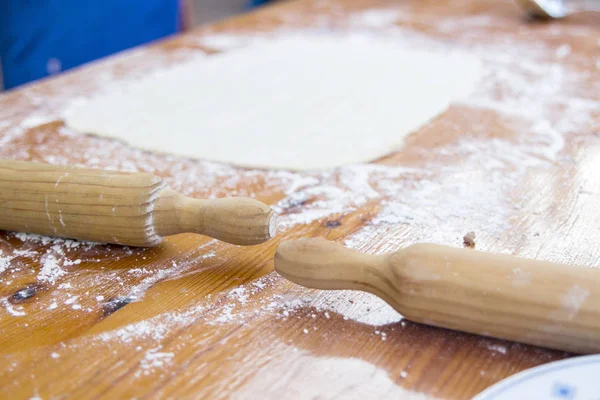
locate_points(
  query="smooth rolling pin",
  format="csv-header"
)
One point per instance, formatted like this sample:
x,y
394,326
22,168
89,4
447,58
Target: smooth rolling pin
x,y
502,296
136,209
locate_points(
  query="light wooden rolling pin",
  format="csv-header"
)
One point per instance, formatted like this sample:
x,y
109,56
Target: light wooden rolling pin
x,y
507,297
136,209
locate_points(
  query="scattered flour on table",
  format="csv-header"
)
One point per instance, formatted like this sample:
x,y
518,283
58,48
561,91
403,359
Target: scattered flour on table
x,y
239,294
51,270
375,18
151,277
330,377
524,88
153,359
515,68
238,305
4,261
54,258
498,348
54,263
15,311
235,306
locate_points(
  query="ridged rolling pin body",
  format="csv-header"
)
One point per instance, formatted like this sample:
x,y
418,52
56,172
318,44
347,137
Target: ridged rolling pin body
x,y
136,209
502,296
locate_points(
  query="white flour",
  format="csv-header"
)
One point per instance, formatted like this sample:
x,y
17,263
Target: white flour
x,y
4,262
152,360
529,89
375,18
16,311
498,348
51,270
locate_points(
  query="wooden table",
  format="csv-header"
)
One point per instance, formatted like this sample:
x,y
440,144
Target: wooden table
x,y
518,163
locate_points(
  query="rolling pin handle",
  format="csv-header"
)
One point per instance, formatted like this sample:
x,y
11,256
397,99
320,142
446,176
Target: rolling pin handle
x,y
241,221
531,301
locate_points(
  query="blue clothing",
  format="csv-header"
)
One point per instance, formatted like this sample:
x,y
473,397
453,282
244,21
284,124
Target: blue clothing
x,y
39,37
254,3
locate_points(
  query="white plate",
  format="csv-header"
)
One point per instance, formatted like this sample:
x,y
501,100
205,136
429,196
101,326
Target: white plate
x,y
572,379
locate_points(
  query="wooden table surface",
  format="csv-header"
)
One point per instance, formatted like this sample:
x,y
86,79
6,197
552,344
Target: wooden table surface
x,y
518,163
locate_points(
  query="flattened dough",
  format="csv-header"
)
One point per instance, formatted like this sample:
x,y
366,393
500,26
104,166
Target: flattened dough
x,y
292,103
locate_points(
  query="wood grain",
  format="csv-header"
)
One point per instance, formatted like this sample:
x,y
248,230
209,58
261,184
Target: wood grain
x,y
517,163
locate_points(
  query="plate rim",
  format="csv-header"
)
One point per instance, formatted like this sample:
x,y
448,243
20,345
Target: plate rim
x,y
507,383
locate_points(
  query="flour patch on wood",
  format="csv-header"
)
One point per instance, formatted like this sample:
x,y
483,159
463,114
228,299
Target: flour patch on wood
x,y
550,104
330,377
51,270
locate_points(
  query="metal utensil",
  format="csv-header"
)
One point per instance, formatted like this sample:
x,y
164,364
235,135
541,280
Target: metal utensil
x,y
555,9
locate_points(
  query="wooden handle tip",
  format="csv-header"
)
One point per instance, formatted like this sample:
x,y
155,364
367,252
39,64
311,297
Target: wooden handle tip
x,y
317,262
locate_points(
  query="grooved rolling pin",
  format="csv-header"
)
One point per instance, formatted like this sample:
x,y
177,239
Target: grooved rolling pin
x,y
135,209
502,296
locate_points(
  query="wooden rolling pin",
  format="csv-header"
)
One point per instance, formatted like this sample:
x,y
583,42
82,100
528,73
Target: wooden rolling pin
x,y
136,209
502,296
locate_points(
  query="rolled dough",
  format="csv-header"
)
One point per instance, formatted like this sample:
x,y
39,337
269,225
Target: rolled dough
x,y
291,103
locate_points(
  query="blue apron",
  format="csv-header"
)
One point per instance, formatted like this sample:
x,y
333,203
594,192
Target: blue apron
x,y
42,37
